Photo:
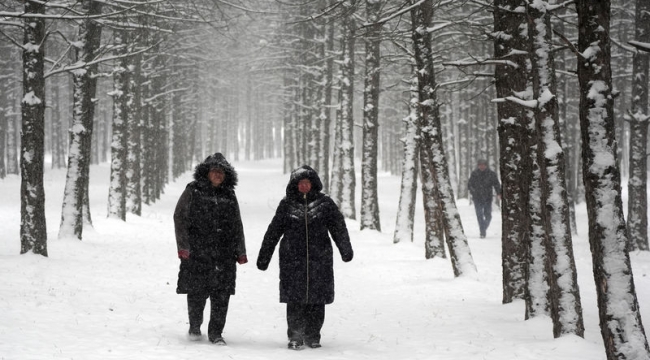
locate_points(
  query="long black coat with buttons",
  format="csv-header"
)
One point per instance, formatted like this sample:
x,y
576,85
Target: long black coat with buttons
x,y
302,225
208,224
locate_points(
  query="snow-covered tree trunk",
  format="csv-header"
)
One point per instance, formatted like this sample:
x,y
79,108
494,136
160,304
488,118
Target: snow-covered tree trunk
x,y
408,188
461,256
149,148
511,78
150,103
534,240
566,307
566,121
180,130
348,177
637,220
12,131
313,83
433,225
85,84
326,103
134,154
463,153
335,178
450,148
288,159
620,319
57,135
3,137
153,130
118,185
369,200
7,75
33,231
7,100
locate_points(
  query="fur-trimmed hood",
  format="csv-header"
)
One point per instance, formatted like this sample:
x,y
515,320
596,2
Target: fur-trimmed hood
x,y
303,172
216,160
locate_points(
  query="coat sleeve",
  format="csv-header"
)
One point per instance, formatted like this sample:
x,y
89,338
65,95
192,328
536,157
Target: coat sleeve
x,y
272,237
339,231
181,220
240,245
470,183
496,184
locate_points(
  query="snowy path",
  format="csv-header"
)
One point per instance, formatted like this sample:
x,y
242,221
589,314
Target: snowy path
x,y
112,295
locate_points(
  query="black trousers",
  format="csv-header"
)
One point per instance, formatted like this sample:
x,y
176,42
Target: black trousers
x,y
305,322
483,214
218,311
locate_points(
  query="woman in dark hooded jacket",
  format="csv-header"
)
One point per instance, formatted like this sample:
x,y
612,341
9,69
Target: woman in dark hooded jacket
x,y
210,240
301,224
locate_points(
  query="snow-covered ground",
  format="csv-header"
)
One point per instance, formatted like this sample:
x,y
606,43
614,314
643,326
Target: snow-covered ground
x,y
112,295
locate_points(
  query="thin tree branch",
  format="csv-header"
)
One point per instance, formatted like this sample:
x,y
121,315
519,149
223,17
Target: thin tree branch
x,y
569,44
78,66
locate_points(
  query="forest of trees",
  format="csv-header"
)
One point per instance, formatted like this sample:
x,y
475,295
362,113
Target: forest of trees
x,y
553,94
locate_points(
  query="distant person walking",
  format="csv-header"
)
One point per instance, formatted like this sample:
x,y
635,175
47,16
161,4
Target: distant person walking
x,y
481,182
301,225
210,240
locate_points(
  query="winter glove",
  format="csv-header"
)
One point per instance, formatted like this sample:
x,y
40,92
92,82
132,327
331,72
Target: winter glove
x,y
242,259
184,254
347,257
261,265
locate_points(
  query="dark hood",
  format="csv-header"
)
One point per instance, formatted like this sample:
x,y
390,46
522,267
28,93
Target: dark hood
x,y
303,172
216,160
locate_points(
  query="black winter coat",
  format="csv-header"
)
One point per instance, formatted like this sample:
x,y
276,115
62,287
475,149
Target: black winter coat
x,y
208,224
301,225
481,183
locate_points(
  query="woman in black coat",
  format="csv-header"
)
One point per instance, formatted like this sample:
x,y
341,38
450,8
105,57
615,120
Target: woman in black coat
x,y
301,224
210,240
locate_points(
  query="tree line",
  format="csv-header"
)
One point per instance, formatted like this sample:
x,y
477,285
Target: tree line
x,y
539,88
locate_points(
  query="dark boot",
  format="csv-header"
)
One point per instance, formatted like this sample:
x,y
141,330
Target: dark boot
x,y
195,307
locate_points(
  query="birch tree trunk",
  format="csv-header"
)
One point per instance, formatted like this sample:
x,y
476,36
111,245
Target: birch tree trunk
x,y
461,256
118,185
513,134
33,231
369,200
85,84
566,308
620,320
637,220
